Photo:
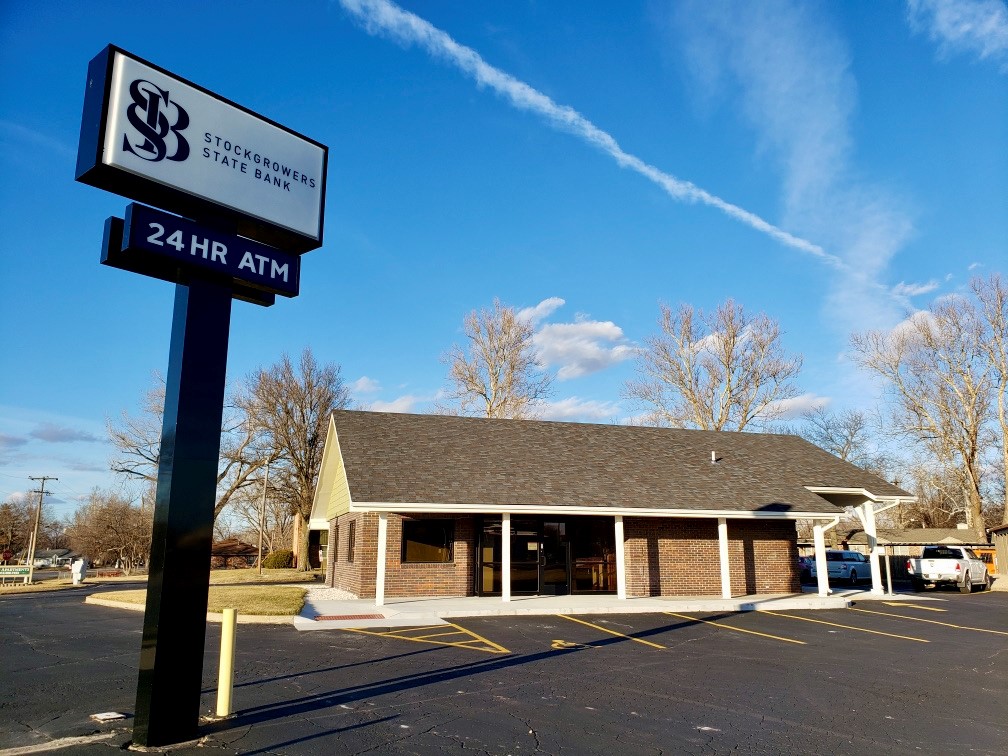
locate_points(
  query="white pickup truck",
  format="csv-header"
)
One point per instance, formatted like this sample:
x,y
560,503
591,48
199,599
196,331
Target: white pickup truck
x,y
948,565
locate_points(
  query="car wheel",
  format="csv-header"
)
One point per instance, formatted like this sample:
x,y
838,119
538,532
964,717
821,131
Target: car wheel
x,y
986,582
967,585
853,577
918,585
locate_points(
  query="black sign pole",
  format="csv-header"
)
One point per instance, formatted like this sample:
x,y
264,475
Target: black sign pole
x,y
171,655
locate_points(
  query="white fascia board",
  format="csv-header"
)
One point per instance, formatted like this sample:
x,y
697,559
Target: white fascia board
x,y
861,492
318,498
316,524
422,508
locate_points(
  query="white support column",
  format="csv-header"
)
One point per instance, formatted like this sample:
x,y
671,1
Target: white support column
x,y
506,556
822,574
380,572
620,560
722,534
873,548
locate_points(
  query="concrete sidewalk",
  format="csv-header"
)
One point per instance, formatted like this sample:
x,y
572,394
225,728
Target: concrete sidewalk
x,y
402,612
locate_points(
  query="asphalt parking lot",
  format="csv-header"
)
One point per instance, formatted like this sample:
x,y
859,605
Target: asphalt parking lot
x,y
923,676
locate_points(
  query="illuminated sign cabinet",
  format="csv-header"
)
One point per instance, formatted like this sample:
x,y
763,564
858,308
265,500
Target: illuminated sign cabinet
x,y
237,198
159,139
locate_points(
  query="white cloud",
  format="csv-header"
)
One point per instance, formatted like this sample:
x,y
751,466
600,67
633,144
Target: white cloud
x,y
381,17
52,433
796,89
583,347
541,311
914,289
16,131
576,409
405,403
797,406
977,27
365,385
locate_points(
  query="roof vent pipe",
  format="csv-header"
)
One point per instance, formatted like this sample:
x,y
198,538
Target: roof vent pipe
x,y
713,457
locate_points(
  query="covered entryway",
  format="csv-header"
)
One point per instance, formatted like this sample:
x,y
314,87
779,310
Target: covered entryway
x,y
550,556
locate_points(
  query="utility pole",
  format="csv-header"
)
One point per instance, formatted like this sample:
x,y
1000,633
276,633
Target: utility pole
x,y
38,516
262,514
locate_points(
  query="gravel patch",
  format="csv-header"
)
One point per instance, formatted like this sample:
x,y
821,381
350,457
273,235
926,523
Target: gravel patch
x,y
330,594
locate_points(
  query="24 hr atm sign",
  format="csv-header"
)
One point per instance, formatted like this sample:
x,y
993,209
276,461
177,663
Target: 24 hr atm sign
x,y
154,137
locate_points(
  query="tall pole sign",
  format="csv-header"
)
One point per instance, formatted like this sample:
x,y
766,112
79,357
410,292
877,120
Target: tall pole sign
x,y
241,198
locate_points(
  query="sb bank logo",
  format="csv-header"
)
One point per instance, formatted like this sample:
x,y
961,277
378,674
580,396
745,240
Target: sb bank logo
x,y
158,123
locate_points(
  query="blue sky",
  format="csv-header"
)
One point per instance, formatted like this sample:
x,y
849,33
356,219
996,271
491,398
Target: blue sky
x,y
835,165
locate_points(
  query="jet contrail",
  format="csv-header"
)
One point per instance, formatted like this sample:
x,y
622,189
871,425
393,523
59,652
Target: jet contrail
x,y
384,17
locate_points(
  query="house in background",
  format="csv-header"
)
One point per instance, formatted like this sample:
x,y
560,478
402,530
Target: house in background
x,y
428,505
232,552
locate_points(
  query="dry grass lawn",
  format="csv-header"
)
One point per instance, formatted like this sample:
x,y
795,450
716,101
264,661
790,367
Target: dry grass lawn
x,y
267,600
274,593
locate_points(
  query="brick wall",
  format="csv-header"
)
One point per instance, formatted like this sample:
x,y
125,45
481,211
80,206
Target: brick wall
x,y
680,557
358,576
455,578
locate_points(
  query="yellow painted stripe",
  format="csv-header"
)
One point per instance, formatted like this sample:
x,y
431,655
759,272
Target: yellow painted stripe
x,y
737,629
933,622
493,649
847,627
423,627
611,632
500,649
914,606
437,635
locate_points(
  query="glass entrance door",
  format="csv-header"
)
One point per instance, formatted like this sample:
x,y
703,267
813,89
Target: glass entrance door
x,y
554,557
526,553
554,565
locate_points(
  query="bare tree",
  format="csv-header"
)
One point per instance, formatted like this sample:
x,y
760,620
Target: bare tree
x,y
718,371
16,517
940,500
291,407
848,435
278,520
497,375
939,380
110,528
137,440
992,296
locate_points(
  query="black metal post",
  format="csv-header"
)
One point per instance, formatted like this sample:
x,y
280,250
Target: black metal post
x,y
171,655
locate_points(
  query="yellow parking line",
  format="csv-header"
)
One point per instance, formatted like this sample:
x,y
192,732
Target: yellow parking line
x,y
500,649
737,629
914,606
489,646
933,622
847,627
438,635
611,632
413,629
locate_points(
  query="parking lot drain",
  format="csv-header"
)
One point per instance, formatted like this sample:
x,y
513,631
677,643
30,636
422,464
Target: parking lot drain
x,y
326,617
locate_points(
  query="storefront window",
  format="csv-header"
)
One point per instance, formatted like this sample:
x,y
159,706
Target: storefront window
x,y
427,540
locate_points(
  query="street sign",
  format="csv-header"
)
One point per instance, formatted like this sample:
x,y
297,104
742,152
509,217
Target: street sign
x,y
155,243
152,136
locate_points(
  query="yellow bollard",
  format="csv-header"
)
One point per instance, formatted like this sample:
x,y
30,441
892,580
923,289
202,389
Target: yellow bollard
x,y
225,677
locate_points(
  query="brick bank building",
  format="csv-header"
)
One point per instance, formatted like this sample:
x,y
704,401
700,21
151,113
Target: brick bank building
x,y
419,505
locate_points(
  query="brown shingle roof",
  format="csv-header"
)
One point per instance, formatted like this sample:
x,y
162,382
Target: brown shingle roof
x,y
400,458
919,536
